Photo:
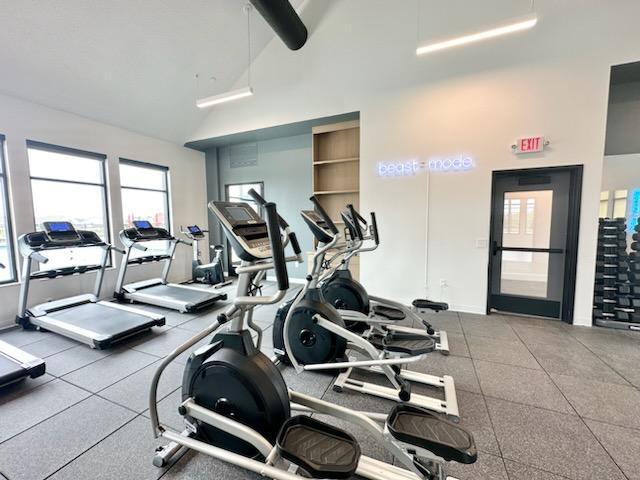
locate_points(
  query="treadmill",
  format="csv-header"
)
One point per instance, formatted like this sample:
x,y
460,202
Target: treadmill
x,y
157,291
16,364
84,318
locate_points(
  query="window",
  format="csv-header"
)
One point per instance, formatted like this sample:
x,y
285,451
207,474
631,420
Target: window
x,y
8,273
69,185
620,204
604,204
239,192
145,193
531,216
511,221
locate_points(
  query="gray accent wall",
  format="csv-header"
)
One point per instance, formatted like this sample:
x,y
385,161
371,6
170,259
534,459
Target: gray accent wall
x,y
284,165
623,120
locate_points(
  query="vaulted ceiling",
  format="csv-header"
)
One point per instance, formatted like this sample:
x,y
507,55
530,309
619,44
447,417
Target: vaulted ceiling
x,y
129,63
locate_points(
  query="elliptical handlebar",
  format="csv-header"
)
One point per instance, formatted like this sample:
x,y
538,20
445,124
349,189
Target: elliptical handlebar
x,y
277,250
262,202
374,228
323,213
356,222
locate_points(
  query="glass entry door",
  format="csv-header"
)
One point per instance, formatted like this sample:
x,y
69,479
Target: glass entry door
x,y
239,192
534,241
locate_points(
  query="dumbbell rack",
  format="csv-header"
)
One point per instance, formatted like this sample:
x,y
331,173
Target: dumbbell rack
x,y
617,288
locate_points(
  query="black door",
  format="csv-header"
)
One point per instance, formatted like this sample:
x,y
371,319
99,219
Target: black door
x,y
534,241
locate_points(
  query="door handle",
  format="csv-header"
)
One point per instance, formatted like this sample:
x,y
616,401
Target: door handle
x,y
494,248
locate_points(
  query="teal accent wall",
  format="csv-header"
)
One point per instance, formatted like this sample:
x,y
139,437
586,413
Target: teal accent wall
x,y
284,165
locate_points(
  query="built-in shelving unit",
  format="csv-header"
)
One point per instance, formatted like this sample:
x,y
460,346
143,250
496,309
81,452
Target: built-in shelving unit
x,y
336,170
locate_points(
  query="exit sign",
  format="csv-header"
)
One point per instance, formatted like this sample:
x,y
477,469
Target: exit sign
x,y
529,145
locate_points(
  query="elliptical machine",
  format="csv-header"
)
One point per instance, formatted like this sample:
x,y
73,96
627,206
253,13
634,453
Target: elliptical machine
x,y
208,273
237,407
362,311
311,335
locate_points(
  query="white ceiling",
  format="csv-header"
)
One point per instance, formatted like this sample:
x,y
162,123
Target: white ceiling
x,y
129,63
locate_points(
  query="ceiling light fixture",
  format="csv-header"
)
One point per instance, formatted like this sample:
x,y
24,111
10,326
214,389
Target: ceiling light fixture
x,y
241,92
522,24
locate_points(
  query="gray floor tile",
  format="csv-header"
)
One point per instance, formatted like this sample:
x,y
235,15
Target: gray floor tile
x,y
460,368
61,438
623,444
574,360
552,335
521,385
162,342
50,346
22,410
448,323
18,337
610,403
501,351
623,364
133,391
109,370
550,441
486,327
74,358
474,417
309,383
517,471
487,467
458,345
126,453
196,466
198,324
168,411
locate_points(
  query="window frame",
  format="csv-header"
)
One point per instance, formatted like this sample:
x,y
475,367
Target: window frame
x,y
102,158
151,166
4,180
230,267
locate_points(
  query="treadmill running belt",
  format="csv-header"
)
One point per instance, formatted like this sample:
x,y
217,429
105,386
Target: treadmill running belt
x,y
104,324
10,371
186,295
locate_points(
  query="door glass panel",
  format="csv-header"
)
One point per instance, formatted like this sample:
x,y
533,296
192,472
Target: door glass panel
x,y
527,219
525,274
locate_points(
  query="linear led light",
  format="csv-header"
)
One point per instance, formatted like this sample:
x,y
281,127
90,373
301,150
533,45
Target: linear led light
x,y
224,97
524,24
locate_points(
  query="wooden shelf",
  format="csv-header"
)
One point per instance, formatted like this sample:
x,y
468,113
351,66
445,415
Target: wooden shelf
x,y
337,160
334,192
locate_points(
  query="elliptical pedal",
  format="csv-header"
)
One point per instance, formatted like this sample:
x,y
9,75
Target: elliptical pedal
x,y
408,344
425,304
320,449
390,313
421,428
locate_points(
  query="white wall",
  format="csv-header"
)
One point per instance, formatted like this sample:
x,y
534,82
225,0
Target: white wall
x,y
552,81
20,120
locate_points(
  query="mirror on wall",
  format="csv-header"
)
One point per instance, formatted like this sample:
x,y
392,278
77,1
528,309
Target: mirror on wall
x,y
617,284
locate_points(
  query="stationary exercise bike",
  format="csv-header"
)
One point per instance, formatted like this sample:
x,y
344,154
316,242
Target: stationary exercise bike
x,y
310,334
237,407
209,273
366,313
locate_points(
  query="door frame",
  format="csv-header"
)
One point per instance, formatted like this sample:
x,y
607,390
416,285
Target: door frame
x,y
573,232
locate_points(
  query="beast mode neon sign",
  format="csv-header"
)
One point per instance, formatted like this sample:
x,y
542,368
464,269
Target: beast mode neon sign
x,y
458,163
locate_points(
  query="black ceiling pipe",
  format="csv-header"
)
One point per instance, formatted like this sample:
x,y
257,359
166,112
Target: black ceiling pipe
x,y
284,20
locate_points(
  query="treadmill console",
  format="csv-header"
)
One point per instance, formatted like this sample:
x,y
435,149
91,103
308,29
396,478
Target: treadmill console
x,y
59,235
195,232
245,230
143,231
318,226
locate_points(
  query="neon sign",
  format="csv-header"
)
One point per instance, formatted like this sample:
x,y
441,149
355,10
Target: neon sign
x,y
459,163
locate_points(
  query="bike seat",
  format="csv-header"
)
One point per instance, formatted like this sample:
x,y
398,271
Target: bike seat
x,y
408,344
425,304
389,313
320,449
419,427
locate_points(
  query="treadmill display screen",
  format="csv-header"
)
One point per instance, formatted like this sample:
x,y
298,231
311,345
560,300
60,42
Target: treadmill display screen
x,y
239,213
194,229
142,224
59,227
